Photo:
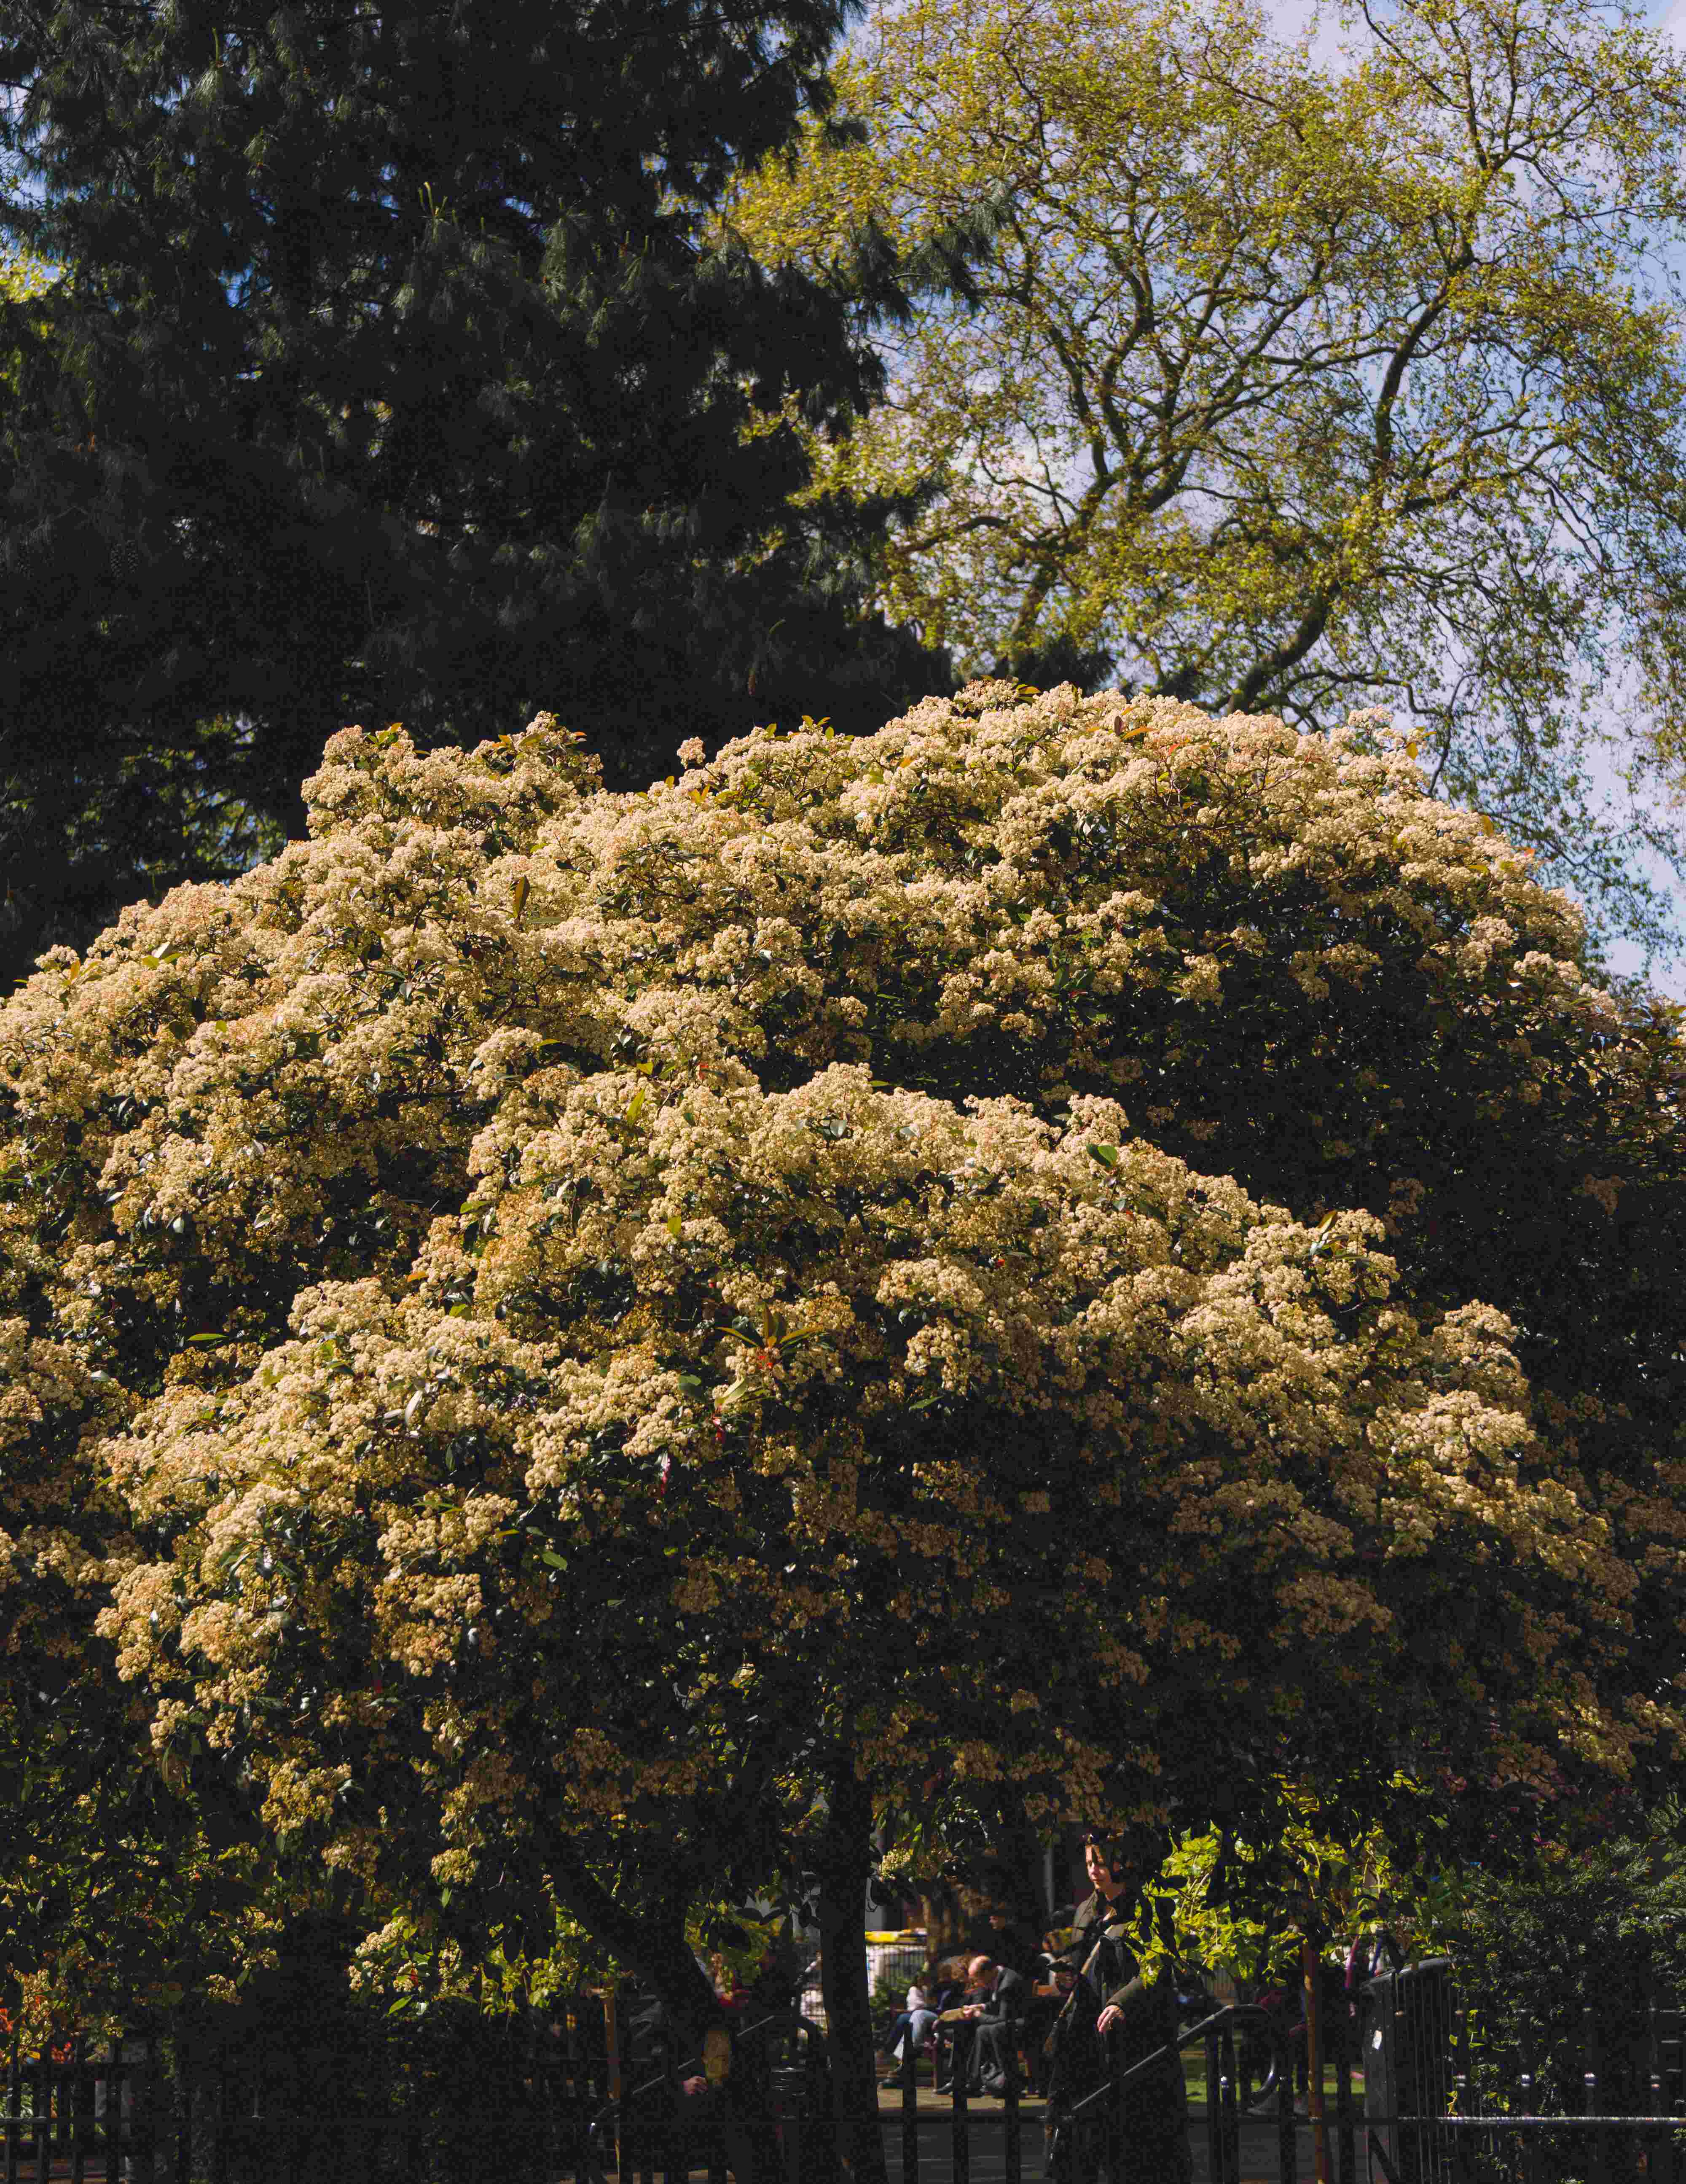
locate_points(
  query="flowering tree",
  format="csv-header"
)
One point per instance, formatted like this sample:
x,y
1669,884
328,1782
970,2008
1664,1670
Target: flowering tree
x,y
561,1343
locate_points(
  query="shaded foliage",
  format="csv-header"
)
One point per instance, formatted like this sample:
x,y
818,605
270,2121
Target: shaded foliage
x,y
391,373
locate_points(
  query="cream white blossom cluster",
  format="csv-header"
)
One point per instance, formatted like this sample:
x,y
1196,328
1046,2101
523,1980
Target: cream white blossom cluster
x,y
512,1307
858,1349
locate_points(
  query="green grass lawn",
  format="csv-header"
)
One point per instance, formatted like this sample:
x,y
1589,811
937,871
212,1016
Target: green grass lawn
x,y
1194,2078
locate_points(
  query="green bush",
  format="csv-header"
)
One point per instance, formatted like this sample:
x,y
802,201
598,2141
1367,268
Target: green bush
x,y
889,1997
306,2078
1598,1928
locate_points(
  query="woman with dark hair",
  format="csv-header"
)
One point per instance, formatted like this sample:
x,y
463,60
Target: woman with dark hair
x,y
1112,1999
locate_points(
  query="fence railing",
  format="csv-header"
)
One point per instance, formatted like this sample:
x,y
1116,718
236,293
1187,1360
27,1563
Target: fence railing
x,y
1582,2095
899,1963
76,2108
1425,2091
789,2134
188,2107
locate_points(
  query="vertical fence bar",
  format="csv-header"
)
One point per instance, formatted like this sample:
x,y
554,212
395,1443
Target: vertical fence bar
x,y
793,2130
1288,2150
1665,2160
181,2107
110,2110
1345,2135
646,2165
591,2019
144,2131
959,2069
219,2108
1530,2100
1590,2058
1462,2152
1312,2006
131,2095
1010,2121
611,2043
15,2096
717,2152
130,2051
1413,2150
1636,2096
617,2088
1430,2083
1657,2162
909,2110
1215,2161
817,2140
296,2127
81,2089
1229,2119
43,2114
1118,2164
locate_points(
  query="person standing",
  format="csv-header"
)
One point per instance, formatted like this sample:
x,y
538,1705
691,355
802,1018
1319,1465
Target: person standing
x,y
1113,1999
718,2114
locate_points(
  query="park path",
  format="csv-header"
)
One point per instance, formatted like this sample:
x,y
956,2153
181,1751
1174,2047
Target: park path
x,y
988,2159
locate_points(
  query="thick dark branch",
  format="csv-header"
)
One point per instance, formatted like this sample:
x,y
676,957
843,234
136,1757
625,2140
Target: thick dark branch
x,y
1403,357
1260,677
1061,547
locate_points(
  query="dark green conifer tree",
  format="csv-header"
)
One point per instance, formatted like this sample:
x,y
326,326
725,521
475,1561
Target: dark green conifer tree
x,y
397,371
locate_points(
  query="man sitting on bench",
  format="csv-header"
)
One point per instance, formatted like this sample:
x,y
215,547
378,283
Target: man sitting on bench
x,y
997,2014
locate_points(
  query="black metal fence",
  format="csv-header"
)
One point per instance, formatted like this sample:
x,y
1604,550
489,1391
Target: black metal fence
x,y
194,2105
187,2107
785,2131
1579,2094
1425,2091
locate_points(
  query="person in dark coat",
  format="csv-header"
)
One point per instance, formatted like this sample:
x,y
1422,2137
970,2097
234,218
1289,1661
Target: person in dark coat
x,y
1112,1999
944,1981
998,2016
707,2106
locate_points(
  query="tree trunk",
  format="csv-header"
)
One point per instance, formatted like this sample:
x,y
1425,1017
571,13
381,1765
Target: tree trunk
x,y
845,1860
944,1919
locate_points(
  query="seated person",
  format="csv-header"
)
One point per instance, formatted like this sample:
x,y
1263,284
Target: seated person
x,y
998,2013
914,2025
704,2107
945,1984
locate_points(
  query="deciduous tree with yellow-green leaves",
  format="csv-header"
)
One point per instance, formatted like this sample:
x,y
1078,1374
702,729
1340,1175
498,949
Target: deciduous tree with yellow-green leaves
x,y
1293,387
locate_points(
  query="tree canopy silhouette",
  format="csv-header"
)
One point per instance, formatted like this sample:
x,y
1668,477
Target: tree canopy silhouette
x,y
392,373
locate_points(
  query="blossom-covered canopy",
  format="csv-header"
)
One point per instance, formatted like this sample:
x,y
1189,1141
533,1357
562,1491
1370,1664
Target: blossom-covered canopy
x,y
530,1307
